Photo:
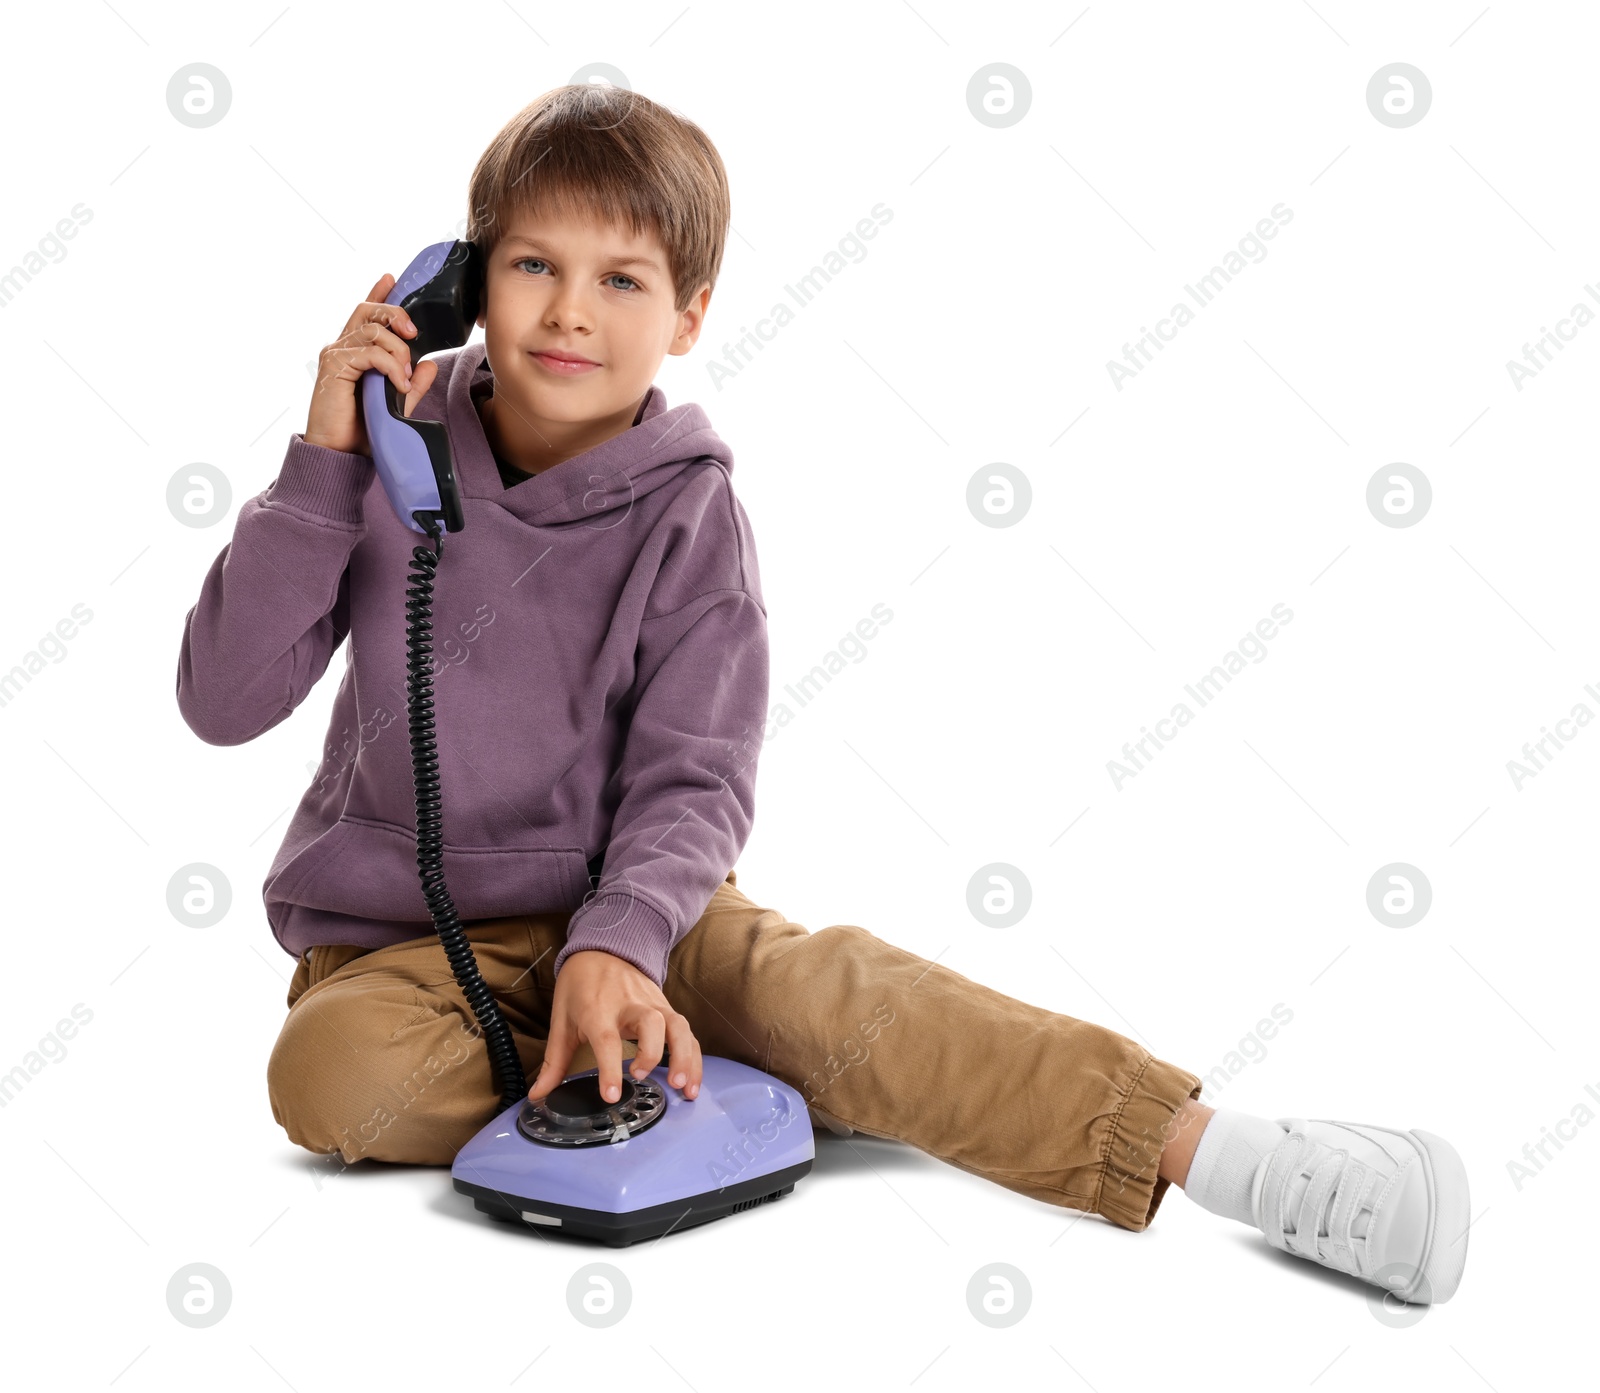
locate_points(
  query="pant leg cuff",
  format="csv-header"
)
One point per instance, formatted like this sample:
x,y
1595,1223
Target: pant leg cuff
x,y
1130,1189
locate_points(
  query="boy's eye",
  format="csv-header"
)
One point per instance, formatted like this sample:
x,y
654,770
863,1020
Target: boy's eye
x,y
632,284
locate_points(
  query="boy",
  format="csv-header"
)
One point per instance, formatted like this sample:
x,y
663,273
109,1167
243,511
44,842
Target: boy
x,y
601,683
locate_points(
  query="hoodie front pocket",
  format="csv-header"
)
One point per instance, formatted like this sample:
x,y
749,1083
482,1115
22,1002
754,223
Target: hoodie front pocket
x,y
368,869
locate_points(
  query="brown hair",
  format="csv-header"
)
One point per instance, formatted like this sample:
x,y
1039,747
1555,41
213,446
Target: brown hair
x,y
593,150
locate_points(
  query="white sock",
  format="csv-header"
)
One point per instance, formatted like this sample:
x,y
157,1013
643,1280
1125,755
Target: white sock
x,y
1224,1167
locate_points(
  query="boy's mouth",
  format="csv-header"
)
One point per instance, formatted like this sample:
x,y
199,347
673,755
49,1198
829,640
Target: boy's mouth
x,y
563,364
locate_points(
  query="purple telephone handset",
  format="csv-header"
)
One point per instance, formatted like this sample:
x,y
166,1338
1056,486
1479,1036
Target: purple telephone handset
x,y
442,291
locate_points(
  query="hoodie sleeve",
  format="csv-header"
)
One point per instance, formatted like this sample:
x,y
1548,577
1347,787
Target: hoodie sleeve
x,y
276,601
687,773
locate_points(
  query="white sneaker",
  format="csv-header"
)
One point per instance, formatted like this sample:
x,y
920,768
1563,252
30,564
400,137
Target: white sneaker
x,y
1387,1206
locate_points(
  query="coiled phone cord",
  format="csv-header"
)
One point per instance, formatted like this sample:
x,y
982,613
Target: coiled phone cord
x,y
430,834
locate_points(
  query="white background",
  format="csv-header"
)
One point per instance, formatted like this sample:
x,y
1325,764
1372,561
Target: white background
x,y
1167,519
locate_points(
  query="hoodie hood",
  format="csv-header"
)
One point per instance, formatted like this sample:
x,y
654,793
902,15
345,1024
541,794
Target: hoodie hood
x,y
613,475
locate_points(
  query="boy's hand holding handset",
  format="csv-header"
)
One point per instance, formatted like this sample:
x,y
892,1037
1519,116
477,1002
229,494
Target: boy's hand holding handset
x,y
374,338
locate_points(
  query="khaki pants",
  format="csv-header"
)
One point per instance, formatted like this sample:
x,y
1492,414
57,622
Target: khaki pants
x,y
380,1056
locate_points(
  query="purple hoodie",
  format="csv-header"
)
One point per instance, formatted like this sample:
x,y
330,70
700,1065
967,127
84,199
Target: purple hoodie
x,y
600,681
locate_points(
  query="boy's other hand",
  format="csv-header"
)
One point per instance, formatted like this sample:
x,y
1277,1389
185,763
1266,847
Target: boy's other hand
x,y
374,338
600,999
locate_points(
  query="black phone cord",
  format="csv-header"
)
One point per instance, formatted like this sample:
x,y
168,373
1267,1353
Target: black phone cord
x,y
430,835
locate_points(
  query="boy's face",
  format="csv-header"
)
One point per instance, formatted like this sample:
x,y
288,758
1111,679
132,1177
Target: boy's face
x,y
590,290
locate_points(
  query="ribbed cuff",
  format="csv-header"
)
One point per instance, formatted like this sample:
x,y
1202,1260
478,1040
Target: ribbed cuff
x,y
1132,1191
627,928
327,483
